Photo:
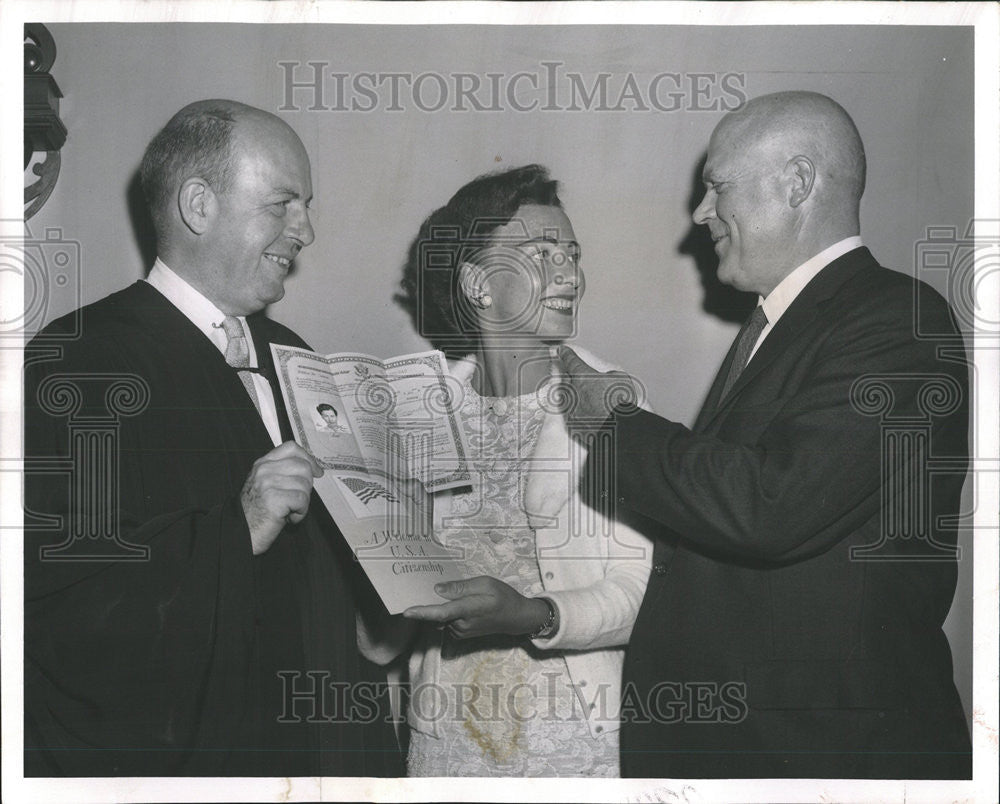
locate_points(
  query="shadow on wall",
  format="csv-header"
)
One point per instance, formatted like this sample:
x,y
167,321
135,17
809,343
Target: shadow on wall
x,y
720,300
142,223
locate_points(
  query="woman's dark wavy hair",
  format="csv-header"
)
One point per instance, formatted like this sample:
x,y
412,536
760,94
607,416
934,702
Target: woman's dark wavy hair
x,y
452,235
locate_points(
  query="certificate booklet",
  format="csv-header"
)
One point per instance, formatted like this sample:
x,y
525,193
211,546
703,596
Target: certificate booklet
x,y
386,434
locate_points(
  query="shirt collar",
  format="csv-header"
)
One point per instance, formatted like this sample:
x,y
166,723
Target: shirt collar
x,y
781,298
190,301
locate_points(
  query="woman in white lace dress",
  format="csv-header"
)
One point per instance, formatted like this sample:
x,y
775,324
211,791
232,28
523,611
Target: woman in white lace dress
x,y
517,672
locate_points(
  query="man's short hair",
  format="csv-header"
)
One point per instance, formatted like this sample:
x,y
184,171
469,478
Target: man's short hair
x,y
197,141
324,406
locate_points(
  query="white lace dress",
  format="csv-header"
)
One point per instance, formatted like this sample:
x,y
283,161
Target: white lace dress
x,y
506,708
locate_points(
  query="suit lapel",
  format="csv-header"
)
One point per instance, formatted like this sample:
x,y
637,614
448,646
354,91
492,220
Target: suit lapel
x,y
172,327
796,318
157,315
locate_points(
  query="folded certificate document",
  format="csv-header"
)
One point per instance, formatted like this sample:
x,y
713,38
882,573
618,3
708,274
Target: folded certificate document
x,y
386,434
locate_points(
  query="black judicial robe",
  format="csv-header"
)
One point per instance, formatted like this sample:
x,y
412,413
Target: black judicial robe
x,y
169,665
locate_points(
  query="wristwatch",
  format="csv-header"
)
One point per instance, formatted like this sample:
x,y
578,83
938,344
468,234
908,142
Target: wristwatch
x,y
551,623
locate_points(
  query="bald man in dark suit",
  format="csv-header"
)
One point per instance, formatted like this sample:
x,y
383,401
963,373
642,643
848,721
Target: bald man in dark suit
x,y
792,622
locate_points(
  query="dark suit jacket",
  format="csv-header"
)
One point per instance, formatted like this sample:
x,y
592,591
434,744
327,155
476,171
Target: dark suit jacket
x,y
169,665
765,646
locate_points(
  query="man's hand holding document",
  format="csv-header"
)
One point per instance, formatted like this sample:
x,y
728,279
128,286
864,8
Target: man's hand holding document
x,y
386,434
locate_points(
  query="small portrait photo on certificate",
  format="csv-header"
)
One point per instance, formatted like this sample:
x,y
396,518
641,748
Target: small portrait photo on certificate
x,y
328,420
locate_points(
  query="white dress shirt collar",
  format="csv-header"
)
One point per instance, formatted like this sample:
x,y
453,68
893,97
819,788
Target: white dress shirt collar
x,y
196,307
208,318
781,298
788,289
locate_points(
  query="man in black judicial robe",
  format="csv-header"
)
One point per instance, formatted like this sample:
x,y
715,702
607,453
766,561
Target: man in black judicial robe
x,y
169,664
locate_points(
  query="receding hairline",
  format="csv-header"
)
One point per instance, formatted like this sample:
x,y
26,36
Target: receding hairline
x,y
236,109
800,121
246,120
209,138
251,127
787,112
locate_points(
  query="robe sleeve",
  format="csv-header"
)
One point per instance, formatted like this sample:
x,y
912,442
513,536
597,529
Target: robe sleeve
x,y
133,663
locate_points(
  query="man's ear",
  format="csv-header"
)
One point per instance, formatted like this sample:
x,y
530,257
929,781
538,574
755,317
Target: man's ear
x,y
471,281
197,204
802,173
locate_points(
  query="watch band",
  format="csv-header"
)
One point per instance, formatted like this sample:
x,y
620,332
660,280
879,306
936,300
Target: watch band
x,y
550,624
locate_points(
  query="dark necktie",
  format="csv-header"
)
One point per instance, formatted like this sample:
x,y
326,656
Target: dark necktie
x,y
238,354
745,342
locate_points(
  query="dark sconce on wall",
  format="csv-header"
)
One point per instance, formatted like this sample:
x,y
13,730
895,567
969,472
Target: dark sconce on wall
x,y
44,132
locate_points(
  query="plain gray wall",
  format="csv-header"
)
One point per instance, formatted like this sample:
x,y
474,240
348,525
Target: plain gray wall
x,y
627,176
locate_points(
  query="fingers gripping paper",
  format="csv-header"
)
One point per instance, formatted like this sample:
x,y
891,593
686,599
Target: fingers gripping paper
x,y
386,435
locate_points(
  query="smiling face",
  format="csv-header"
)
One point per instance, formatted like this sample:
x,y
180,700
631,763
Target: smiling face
x,y
532,274
261,221
746,209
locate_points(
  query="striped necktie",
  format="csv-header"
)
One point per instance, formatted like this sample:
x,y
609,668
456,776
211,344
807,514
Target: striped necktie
x,y
745,343
238,354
